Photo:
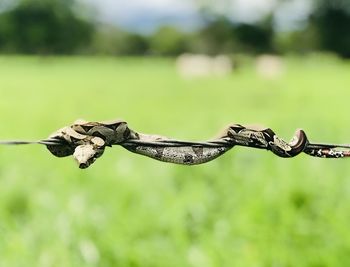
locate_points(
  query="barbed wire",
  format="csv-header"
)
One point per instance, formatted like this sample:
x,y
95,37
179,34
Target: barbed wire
x,y
86,141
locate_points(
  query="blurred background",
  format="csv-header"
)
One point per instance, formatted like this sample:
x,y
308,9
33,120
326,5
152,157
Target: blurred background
x,y
170,28
183,69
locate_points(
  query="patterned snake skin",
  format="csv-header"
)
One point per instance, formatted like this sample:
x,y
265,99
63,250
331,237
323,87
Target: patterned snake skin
x,y
86,141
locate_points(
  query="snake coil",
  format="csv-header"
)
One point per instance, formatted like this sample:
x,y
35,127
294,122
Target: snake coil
x,y
86,141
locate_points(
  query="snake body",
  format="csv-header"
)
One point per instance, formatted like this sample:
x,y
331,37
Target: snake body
x,y
185,154
86,141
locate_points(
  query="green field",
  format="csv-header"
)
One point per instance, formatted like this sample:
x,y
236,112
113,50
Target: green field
x,y
247,208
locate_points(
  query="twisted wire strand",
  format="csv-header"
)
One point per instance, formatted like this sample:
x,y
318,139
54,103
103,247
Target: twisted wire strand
x,y
86,141
52,141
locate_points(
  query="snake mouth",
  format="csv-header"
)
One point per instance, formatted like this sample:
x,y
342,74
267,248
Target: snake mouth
x,y
83,165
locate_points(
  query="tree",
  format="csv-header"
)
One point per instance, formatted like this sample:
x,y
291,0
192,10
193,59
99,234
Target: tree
x,y
168,41
332,21
253,38
221,35
216,37
43,26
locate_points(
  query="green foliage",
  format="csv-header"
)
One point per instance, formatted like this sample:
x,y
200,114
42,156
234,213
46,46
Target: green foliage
x,y
221,35
248,208
168,41
215,37
114,41
135,44
326,30
43,27
300,42
332,20
254,38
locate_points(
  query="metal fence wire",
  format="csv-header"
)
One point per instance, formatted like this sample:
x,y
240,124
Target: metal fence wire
x,y
86,141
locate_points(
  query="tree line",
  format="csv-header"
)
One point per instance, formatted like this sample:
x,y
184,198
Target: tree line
x,y
54,27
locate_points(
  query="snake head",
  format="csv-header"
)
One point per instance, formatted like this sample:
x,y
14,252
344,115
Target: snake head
x,y
85,155
291,149
85,148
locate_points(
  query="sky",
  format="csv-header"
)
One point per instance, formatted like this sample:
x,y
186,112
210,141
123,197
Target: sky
x,y
145,15
121,9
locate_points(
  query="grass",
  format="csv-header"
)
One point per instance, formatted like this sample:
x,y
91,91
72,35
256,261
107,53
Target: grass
x,y
247,208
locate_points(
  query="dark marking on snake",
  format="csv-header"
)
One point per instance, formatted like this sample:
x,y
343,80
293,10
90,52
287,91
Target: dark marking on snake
x,y
86,141
159,152
198,150
126,133
188,159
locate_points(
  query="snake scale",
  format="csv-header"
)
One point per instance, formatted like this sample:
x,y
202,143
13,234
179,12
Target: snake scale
x,y
86,141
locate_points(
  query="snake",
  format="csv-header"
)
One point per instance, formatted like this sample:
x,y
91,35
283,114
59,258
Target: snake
x,y
87,141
